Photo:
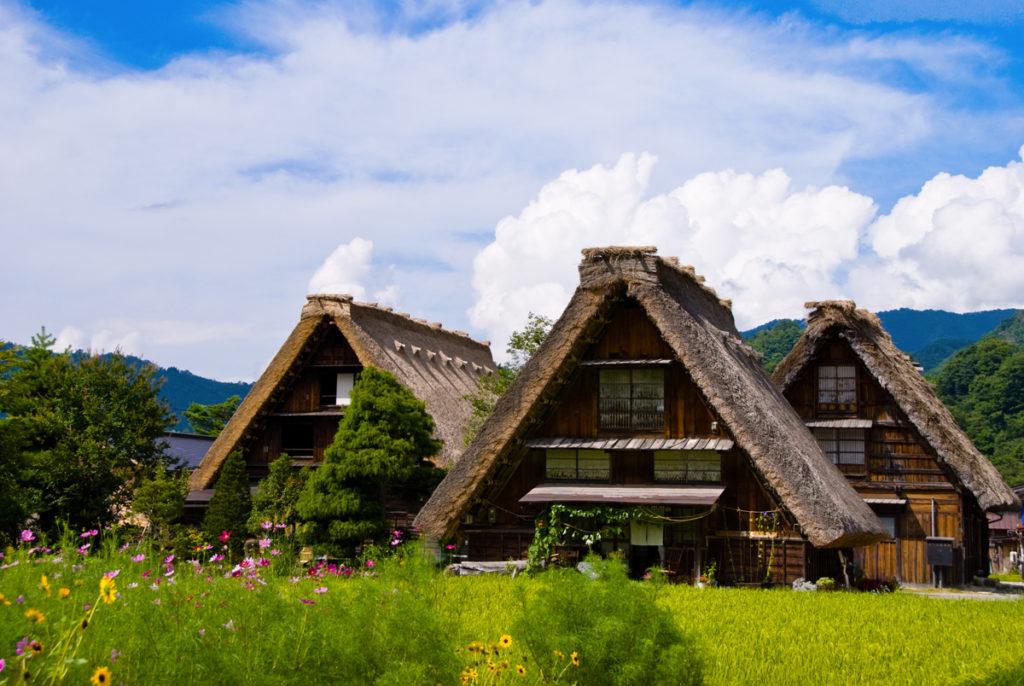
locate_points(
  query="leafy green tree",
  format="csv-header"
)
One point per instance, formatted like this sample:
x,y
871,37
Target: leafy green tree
x,y
231,503
161,500
381,448
983,385
85,431
775,342
522,345
278,494
209,420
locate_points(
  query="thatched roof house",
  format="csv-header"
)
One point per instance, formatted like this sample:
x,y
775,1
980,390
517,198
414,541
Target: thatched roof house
x,y
699,331
895,371
441,367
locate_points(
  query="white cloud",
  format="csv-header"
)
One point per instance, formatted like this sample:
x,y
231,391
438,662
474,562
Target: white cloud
x,y
345,269
957,244
757,240
210,189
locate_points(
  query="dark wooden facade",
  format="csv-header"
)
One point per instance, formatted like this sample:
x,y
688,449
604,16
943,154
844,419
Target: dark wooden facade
x,y
746,534
897,474
304,415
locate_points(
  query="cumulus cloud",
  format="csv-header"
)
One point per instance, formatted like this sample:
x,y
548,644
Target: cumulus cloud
x,y
957,244
756,238
344,269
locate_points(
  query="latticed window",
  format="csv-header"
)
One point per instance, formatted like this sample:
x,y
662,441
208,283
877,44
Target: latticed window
x,y
632,399
582,465
837,384
687,466
843,446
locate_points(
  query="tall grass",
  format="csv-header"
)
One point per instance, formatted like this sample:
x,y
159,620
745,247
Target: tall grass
x,y
403,622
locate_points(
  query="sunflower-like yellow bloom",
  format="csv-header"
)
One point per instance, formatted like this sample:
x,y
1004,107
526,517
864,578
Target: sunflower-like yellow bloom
x,y
505,641
101,677
35,615
108,590
44,584
520,670
575,657
64,592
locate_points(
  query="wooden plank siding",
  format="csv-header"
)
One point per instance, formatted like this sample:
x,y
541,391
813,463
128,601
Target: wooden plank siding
x,y
300,394
899,463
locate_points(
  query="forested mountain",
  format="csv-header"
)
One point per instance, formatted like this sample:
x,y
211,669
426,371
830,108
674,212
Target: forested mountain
x,y
181,387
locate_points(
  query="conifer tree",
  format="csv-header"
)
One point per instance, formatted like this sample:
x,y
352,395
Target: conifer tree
x,y
231,503
382,446
278,493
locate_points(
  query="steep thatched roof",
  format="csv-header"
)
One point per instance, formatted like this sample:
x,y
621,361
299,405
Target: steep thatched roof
x,y
439,366
700,329
896,372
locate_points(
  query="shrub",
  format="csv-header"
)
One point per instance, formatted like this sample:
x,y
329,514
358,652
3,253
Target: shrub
x,y
231,503
619,632
826,583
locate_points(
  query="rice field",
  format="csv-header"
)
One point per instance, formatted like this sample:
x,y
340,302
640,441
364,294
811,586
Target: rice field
x,y
165,621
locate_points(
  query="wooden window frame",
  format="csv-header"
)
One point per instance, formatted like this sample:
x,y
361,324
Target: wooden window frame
x,y
632,401
580,473
836,405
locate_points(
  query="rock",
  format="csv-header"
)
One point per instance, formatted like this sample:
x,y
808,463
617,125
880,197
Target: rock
x,y
802,584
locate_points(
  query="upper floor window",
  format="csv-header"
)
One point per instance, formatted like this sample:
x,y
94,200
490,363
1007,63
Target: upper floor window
x,y
336,388
631,399
837,384
687,466
582,465
842,446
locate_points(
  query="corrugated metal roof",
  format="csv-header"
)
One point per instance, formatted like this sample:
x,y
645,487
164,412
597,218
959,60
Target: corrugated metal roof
x,y
625,495
718,444
839,423
625,363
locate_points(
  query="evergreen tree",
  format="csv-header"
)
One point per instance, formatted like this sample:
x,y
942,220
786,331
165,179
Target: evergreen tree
x,y
161,500
278,494
209,420
231,503
382,446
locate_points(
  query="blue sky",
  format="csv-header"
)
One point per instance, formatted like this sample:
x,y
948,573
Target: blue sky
x,y
189,170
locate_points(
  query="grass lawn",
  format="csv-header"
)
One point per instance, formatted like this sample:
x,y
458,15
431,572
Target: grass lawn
x,y
184,623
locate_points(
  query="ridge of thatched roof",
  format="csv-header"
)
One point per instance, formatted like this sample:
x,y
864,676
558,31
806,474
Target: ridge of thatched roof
x,y
699,327
897,374
440,366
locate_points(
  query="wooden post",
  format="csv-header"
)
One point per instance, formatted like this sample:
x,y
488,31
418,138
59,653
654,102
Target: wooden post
x,y
842,565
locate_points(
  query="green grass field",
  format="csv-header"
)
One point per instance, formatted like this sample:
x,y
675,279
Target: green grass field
x,y
406,623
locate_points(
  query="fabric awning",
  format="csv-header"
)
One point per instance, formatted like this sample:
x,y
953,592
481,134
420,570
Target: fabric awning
x,y
624,495
719,444
839,423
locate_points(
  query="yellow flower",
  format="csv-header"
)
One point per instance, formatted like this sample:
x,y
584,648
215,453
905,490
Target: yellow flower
x,y
575,657
491,667
505,641
101,676
476,647
559,654
4,600
35,615
108,590
64,592
520,670
44,584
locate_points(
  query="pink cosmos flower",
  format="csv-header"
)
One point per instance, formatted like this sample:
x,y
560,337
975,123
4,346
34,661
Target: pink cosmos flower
x,y
224,536
202,632
217,558
138,558
89,534
266,525
263,562
112,574
27,536
3,664
169,559
275,552
114,654
280,526
371,564
264,543
320,589
450,546
19,649
84,549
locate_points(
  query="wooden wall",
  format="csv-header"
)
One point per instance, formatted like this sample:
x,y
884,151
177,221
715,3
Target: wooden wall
x,y
899,464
